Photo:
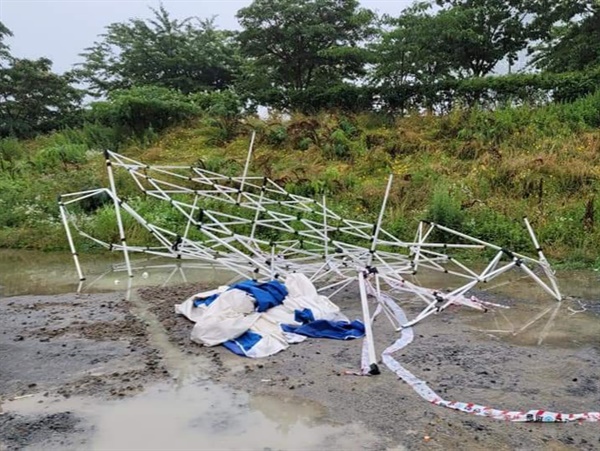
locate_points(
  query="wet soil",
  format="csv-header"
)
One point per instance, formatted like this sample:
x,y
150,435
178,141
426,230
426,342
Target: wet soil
x,y
68,345
101,346
460,364
55,431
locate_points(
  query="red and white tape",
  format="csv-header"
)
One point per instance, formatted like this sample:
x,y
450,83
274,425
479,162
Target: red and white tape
x,y
421,387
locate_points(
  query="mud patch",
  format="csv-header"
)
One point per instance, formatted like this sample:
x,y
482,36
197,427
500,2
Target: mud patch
x,y
72,345
129,328
53,431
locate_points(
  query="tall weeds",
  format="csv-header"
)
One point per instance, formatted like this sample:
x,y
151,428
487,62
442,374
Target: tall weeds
x,y
479,171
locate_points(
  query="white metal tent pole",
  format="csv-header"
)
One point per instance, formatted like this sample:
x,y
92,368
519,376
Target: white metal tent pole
x,y
379,219
116,201
418,239
63,215
259,210
543,261
187,226
535,241
422,238
241,189
383,305
540,282
272,265
373,369
491,266
325,247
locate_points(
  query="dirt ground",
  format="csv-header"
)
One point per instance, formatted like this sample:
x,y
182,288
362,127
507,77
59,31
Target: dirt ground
x,y
100,345
69,345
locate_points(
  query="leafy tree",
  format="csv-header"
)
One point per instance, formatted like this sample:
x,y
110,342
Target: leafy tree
x,y
4,50
413,52
482,33
189,55
463,38
35,100
460,39
295,46
570,35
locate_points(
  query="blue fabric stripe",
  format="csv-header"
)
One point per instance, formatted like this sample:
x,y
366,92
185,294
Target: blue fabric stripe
x,y
243,343
267,295
337,330
304,316
205,301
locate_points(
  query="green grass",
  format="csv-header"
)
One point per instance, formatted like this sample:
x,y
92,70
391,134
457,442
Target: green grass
x,y
479,171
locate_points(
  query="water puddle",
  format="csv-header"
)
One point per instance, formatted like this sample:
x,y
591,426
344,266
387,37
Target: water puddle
x,y
39,273
202,415
533,317
189,411
563,324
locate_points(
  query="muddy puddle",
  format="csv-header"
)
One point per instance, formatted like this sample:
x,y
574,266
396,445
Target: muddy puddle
x,y
537,320
187,411
531,316
200,415
39,273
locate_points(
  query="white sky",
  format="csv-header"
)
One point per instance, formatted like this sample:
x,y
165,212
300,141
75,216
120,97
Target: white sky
x,y
61,29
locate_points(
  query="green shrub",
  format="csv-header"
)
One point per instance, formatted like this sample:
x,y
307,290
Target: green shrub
x,y
276,135
57,155
494,227
11,151
445,209
143,107
222,104
305,143
339,145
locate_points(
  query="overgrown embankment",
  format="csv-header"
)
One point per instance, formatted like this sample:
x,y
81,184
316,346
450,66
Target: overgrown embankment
x,y
479,171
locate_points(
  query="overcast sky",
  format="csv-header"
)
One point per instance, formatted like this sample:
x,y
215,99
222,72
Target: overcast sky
x,y
61,29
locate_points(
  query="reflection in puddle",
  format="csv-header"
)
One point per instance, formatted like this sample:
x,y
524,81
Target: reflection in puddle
x,y
535,319
39,273
556,324
202,415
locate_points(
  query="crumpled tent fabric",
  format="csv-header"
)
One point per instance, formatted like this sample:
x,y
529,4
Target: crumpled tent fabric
x,y
234,317
266,295
337,330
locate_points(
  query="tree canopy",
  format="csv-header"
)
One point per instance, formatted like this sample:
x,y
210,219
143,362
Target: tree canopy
x,y
312,55
188,55
35,100
481,33
294,46
570,35
462,38
4,49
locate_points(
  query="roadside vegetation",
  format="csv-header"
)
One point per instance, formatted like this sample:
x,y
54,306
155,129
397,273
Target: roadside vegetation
x,y
367,97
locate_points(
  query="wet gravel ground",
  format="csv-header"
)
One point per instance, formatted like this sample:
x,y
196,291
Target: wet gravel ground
x,y
456,362
68,345
98,345
49,432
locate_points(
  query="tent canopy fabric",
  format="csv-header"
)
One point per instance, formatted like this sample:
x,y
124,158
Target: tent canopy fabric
x,y
257,320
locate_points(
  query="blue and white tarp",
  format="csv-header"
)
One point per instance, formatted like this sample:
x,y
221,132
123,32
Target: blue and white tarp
x,y
258,320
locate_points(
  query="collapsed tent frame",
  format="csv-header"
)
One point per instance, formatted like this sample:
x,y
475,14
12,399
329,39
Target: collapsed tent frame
x,y
334,252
